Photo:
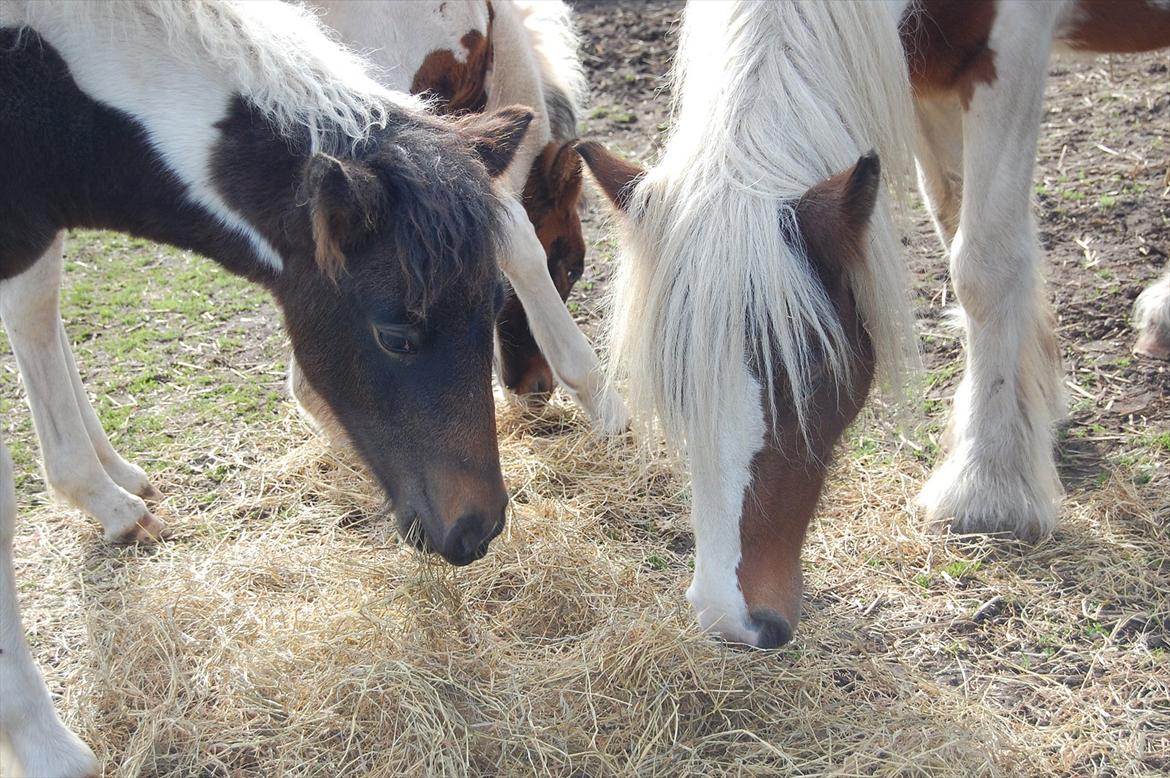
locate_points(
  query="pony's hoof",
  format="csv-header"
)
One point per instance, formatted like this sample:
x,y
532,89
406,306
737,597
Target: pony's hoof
x,y
991,501
1150,345
148,529
150,494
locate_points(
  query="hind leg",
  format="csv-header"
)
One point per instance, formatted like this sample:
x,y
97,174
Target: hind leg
x,y
42,744
76,450
1151,314
999,475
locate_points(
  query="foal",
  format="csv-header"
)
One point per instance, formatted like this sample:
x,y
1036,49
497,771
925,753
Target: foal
x,y
761,284
472,55
241,132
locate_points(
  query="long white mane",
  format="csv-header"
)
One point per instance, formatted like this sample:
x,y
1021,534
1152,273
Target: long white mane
x,y
769,99
276,54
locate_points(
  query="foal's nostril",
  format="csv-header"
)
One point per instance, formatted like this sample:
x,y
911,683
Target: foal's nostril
x,y
774,629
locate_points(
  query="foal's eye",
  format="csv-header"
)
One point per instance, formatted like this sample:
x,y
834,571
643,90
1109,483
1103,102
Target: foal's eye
x,y
398,340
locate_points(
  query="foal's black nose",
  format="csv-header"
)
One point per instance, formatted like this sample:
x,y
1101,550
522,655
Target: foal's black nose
x,y
775,630
468,540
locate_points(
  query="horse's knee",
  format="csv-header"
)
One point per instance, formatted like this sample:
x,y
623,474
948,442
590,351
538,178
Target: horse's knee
x,y
994,269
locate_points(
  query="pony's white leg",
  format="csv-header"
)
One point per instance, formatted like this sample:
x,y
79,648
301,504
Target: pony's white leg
x,y
30,310
939,154
42,744
572,359
999,474
1151,314
129,476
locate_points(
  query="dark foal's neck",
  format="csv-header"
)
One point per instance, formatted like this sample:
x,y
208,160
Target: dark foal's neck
x,y
70,161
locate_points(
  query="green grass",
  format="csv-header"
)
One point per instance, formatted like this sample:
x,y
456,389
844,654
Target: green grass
x,y
171,347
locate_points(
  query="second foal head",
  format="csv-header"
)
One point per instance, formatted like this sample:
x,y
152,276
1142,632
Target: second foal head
x,y
756,481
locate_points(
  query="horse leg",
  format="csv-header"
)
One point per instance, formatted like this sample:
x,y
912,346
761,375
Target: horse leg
x,y
1151,315
64,419
573,362
129,476
940,161
28,723
999,475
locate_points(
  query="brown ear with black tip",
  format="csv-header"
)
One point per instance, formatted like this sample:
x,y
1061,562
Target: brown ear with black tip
x,y
616,176
346,200
564,174
495,136
834,215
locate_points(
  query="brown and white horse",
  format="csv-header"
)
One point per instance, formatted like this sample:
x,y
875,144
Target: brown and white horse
x,y
476,55
761,282
240,131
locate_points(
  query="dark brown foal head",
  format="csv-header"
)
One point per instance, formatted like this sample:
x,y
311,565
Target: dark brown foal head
x,y
393,323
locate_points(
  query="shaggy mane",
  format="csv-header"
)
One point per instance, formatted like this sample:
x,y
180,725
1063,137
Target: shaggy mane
x,y
769,99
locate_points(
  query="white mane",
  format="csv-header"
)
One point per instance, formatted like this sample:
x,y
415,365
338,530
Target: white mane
x,y
770,98
276,54
557,46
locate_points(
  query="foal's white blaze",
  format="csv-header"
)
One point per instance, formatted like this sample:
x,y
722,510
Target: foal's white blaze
x,y
43,746
720,480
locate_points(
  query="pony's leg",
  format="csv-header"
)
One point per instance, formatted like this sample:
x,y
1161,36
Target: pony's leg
x,y
29,307
999,475
28,723
939,154
1151,315
572,359
129,476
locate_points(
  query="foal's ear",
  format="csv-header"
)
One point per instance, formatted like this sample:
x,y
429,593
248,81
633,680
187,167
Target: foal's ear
x,y
616,177
496,136
564,172
834,215
346,199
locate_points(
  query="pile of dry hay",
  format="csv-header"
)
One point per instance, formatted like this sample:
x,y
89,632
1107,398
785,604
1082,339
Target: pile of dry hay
x,y
285,630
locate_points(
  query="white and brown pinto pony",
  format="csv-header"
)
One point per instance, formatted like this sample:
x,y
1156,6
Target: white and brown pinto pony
x,y
240,131
761,284
476,55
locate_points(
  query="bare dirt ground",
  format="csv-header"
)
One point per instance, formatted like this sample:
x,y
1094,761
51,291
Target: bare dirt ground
x,y
285,630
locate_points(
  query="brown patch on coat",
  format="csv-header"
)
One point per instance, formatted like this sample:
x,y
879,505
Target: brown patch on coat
x,y
789,472
946,43
1118,26
458,86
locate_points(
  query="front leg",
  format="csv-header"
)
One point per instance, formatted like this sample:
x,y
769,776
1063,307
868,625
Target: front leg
x,y
42,744
999,475
80,463
572,359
